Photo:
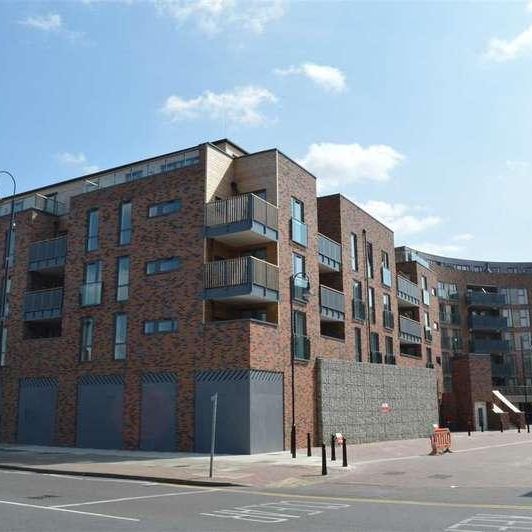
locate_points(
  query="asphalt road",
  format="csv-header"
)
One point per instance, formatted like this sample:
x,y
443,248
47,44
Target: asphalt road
x,y
32,502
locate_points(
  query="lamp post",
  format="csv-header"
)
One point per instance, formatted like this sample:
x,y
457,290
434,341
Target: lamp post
x,y
524,381
10,234
305,294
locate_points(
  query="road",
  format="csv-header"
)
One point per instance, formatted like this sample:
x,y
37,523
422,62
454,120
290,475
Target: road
x,y
32,502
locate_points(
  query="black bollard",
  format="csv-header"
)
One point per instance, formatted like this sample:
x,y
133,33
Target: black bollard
x,y
323,459
502,428
333,449
309,448
469,428
482,427
519,427
528,427
344,453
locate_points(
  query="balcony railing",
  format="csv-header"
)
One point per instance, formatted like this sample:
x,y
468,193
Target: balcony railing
x,y
386,276
331,304
390,359
43,304
329,253
91,294
487,346
47,254
517,391
375,357
446,294
247,212
359,309
452,318
301,347
506,369
409,330
387,319
408,291
299,232
487,323
244,277
452,343
485,299
35,201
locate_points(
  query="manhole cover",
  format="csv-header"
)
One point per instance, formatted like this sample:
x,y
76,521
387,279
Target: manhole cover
x,y
440,476
41,497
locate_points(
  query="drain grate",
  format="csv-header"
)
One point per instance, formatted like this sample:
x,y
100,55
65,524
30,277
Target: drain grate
x,y
42,497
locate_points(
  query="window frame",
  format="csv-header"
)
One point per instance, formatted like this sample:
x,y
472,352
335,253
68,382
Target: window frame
x,y
119,285
161,205
127,230
92,241
159,262
85,347
120,343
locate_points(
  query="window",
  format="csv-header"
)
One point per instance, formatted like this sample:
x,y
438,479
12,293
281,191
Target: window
x,y
125,223
357,290
87,334
387,302
374,342
91,291
160,326
122,282
388,345
369,260
92,230
260,193
429,355
162,265
258,253
371,304
354,252
385,260
426,320
298,210
298,226
166,207
300,282
300,340
3,347
120,336
358,344
424,283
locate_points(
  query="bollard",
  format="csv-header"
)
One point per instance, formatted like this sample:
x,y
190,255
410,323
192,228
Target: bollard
x,y
502,429
469,428
482,427
528,427
344,453
323,459
519,427
333,449
309,448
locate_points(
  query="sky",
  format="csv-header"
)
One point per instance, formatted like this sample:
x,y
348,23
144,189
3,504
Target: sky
x,y
420,112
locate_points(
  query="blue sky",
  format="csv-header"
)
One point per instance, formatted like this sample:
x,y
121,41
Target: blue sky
x,y
419,111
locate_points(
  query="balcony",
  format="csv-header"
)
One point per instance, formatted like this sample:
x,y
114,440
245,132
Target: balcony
x,y
516,394
408,292
47,254
386,276
450,318
506,369
359,309
242,220
375,357
241,280
409,330
487,323
329,255
298,232
488,346
390,359
387,319
301,347
427,333
43,304
485,299
446,294
91,294
331,304
37,202
453,343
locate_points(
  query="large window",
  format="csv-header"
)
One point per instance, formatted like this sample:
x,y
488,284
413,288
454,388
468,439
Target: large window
x,y
374,342
91,291
300,340
515,296
126,223
166,207
120,336
299,228
371,304
92,230
300,282
3,347
369,260
122,283
160,326
354,252
358,344
162,265
87,336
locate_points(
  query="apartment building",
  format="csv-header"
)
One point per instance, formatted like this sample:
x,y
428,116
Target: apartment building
x,y
484,315
137,293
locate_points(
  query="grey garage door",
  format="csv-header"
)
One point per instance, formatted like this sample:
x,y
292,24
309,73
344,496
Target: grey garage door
x,y
36,411
159,412
100,411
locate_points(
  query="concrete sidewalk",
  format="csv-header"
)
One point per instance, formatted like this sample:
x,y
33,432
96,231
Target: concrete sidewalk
x,y
259,470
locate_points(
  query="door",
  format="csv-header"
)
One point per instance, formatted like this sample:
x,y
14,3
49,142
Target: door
x,y
481,418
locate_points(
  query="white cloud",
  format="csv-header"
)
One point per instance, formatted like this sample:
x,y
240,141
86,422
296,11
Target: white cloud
x,y
529,6
241,105
463,237
338,166
326,77
400,217
215,16
49,22
500,50
76,161
438,249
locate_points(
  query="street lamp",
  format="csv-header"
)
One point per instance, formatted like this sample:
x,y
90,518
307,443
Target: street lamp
x,y
524,381
304,295
7,257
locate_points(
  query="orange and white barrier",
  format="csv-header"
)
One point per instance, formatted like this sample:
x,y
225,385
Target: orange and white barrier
x,y
440,441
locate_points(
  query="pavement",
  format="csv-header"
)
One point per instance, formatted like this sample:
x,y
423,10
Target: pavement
x,y
484,485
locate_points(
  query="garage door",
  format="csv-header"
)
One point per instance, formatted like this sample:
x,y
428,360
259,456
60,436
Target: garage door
x,y
100,411
159,412
36,410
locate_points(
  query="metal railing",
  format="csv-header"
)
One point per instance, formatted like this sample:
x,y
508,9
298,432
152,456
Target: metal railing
x,y
488,322
359,309
375,357
490,346
331,301
408,291
506,369
452,318
239,271
446,294
386,276
516,390
486,299
409,329
47,253
239,209
35,201
43,304
453,343
387,319
91,294
329,252
301,347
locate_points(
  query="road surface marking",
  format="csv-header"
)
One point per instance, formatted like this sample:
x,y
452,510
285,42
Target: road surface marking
x,y
54,509
494,523
123,499
96,479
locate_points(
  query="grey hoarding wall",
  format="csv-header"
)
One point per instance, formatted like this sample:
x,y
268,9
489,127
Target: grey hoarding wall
x,y
351,394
